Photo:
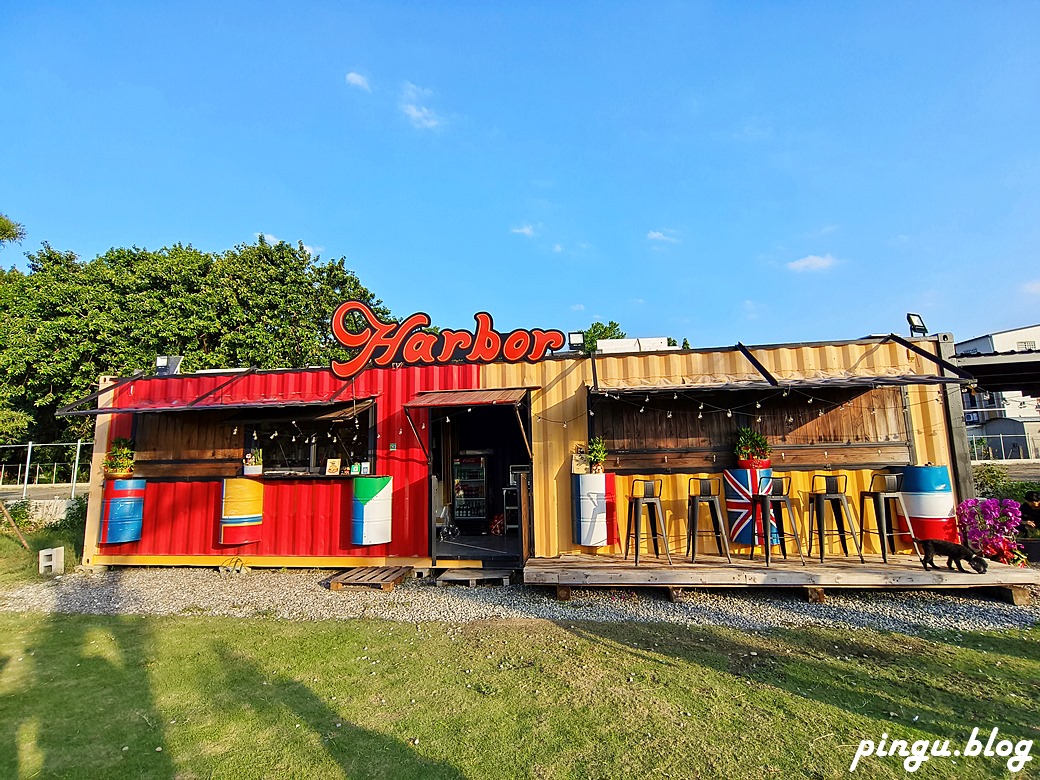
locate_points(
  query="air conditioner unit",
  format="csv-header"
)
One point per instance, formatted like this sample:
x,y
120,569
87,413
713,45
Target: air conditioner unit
x,y
971,417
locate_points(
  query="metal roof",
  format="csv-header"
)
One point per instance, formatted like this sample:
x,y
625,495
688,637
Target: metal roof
x,y
865,382
1005,371
467,398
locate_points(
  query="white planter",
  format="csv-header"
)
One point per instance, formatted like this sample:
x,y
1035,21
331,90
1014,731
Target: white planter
x,y
248,471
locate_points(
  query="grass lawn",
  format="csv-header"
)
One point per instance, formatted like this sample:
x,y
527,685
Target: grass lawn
x,y
96,696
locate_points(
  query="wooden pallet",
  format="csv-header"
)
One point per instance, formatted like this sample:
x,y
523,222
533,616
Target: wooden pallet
x,y
472,576
382,577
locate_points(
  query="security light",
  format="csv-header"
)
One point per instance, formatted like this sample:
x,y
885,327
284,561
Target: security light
x,y
917,326
576,340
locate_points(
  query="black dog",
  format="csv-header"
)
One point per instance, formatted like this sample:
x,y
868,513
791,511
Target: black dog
x,y
953,552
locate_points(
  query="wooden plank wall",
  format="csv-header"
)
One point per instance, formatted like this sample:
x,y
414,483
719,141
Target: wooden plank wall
x,y
187,444
837,427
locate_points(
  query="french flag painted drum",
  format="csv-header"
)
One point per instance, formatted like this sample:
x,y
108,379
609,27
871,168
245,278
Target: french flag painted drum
x,y
123,511
928,497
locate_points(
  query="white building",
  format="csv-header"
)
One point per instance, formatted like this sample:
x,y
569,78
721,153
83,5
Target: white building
x,y
1002,424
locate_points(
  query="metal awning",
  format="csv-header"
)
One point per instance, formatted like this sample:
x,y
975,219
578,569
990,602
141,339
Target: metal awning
x,y
443,398
862,382
327,412
1005,371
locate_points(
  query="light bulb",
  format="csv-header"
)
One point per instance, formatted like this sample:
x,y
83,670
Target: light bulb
x,y
669,415
810,400
593,414
758,405
701,406
565,425
700,416
447,419
758,419
234,431
675,397
400,431
642,409
729,413
255,437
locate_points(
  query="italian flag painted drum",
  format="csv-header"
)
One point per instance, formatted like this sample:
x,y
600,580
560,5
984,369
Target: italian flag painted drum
x,y
928,497
370,521
123,511
242,516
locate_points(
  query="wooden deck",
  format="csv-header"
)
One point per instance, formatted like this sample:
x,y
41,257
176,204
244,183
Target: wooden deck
x,y
902,571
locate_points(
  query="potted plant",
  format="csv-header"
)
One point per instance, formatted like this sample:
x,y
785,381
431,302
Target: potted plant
x,y
989,526
253,462
1029,530
752,449
119,460
596,454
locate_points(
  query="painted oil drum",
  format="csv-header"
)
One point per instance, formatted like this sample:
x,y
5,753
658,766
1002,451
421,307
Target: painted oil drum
x,y
589,496
740,485
370,519
242,513
123,513
928,496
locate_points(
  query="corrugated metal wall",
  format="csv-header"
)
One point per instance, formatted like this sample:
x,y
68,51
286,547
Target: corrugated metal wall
x,y
300,518
560,398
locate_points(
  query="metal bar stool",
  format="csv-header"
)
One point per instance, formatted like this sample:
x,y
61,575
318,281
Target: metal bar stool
x,y
646,492
779,497
832,490
884,488
706,490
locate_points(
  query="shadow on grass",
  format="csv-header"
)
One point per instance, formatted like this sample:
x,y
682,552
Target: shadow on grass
x,y
872,675
361,753
49,729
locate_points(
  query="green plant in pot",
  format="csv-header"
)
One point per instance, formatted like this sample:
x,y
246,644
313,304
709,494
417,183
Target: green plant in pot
x,y
752,449
119,460
596,454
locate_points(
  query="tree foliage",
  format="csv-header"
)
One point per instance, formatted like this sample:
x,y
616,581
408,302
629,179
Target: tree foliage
x,y
597,331
67,322
10,231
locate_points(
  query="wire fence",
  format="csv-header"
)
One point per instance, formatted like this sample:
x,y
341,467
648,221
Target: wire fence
x,y
59,463
1004,446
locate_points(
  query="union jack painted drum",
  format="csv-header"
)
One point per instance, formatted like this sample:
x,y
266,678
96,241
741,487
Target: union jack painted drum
x,y
123,514
242,512
739,485
928,497
370,520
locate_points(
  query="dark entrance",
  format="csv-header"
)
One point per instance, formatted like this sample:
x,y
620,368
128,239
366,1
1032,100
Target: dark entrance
x,y
480,461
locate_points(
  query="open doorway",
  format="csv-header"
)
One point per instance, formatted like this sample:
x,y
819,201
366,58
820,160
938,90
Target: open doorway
x,y
479,455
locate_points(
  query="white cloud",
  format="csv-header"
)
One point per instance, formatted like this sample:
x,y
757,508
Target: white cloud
x,y
412,98
526,230
637,301
577,307
658,235
750,309
812,263
271,239
557,248
823,231
1032,287
359,81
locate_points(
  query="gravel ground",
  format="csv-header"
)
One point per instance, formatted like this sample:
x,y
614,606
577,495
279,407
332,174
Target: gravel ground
x,y
300,595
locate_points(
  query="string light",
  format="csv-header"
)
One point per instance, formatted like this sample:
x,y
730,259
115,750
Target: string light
x,y
758,404
758,419
729,412
700,415
255,437
669,415
591,413
447,419
642,409
701,407
234,431
675,397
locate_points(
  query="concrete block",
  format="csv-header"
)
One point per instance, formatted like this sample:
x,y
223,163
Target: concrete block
x,y
52,560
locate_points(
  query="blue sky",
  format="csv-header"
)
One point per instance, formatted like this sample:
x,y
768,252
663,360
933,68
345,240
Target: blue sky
x,y
761,172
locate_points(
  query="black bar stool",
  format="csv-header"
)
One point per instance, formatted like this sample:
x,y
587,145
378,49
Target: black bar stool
x,y
884,489
646,493
831,489
706,490
779,497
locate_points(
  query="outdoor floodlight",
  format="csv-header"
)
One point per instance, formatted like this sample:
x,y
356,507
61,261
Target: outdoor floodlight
x,y
917,326
576,340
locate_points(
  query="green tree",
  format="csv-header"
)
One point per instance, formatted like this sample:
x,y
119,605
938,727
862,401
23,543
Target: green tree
x,y
10,231
597,331
66,322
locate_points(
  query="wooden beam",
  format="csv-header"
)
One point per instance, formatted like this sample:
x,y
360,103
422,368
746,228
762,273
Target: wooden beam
x,y
1017,595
